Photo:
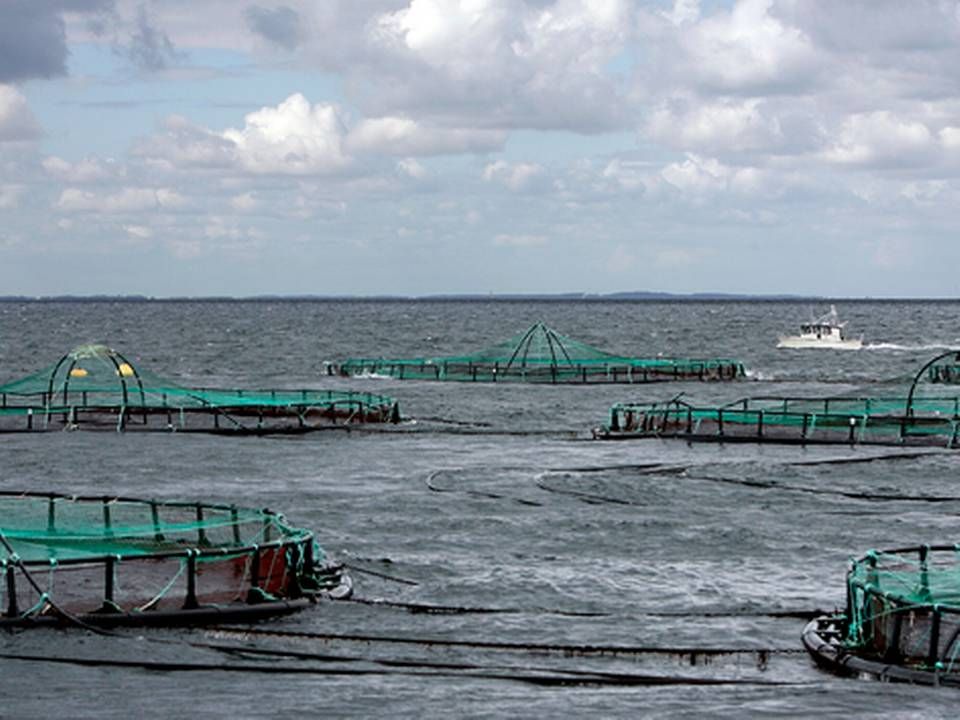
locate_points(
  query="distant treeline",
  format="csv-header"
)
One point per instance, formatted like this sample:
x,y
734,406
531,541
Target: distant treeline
x,y
558,297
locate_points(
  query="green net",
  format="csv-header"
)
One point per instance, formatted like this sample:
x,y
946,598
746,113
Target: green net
x,y
923,415
63,555
895,420
94,385
542,355
946,372
903,606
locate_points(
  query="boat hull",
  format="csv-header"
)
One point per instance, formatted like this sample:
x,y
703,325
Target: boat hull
x,y
799,343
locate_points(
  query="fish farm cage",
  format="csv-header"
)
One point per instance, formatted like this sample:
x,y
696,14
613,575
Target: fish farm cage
x,y
867,421
112,561
914,419
94,386
542,355
901,621
944,369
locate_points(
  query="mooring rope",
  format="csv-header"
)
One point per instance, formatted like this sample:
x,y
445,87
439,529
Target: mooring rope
x,y
433,487
548,679
559,648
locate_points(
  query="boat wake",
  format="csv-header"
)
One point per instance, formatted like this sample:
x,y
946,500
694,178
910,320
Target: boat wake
x,y
896,347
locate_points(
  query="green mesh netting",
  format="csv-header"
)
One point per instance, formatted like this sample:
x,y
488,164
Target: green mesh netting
x,y
545,356
903,606
94,384
928,421
947,372
119,556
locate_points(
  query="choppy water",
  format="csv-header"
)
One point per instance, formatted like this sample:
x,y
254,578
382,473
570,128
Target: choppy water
x,y
492,498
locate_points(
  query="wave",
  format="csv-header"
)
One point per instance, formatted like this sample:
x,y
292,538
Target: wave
x,y
897,347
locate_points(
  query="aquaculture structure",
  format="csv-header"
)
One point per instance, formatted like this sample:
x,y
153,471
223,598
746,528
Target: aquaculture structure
x,y
901,621
542,355
110,561
944,368
914,419
94,386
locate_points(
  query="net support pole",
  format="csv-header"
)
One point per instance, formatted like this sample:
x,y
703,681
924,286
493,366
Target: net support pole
x,y
190,601
109,587
12,609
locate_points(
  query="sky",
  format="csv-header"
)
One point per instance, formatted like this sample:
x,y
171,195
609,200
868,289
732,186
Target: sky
x,y
416,147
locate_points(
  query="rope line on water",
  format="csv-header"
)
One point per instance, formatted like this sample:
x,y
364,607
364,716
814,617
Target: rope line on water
x,y
547,679
562,648
433,487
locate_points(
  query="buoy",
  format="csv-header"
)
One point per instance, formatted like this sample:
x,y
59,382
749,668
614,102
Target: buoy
x,y
125,370
78,372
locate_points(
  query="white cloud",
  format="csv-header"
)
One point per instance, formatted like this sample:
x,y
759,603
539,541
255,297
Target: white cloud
x,y
684,11
627,175
749,49
403,136
697,176
518,177
17,122
138,232
510,240
84,171
126,200
881,139
294,138
412,169
726,125
10,196
245,202
503,63
925,192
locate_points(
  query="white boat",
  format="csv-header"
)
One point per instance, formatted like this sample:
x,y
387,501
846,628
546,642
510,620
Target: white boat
x,y
825,331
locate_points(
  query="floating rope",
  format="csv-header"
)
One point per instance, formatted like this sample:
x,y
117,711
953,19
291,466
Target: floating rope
x,y
478,672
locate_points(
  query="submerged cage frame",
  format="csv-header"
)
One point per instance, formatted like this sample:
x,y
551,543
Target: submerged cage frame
x,y
907,632
276,575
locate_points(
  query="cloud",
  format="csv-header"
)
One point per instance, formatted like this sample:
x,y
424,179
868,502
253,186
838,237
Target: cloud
x,y
280,26
124,201
149,48
503,64
518,177
881,139
294,137
247,202
183,144
33,39
17,122
724,126
520,241
402,136
84,171
10,196
748,50
698,176
412,169
138,232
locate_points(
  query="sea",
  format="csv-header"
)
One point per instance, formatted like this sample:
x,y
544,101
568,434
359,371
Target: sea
x,y
505,563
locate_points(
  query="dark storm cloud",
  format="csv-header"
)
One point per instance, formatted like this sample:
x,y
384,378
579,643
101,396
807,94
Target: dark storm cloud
x,y
33,37
150,48
280,26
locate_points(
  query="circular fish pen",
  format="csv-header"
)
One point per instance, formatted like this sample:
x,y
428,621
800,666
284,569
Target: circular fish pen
x,y
94,386
925,416
542,355
902,618
111,561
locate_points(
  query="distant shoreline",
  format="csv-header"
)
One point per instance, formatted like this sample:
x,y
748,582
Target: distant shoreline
x,y
506,297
